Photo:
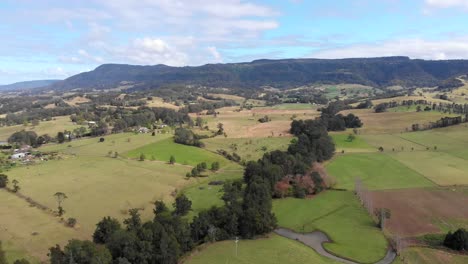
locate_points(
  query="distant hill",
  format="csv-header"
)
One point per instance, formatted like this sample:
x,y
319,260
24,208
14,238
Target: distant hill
x,y
27,85
378,72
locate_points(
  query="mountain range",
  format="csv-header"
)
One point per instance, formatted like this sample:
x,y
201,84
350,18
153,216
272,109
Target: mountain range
x,y
285,73
27,85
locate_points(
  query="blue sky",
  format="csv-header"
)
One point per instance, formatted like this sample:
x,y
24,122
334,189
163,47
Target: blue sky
x,y
44,39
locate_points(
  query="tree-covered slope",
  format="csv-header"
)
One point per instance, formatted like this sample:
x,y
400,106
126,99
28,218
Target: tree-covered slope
x,y
277,73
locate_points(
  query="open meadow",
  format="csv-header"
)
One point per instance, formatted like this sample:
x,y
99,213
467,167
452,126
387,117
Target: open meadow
x,y
269,250
186,155
98,184
244,123
376,171
338,214
247,148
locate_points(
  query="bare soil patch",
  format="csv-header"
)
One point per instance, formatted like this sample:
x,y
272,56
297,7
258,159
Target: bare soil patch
x,y
416,211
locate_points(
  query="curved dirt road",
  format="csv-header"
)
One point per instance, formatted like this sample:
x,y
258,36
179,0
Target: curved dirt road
x,y
317,238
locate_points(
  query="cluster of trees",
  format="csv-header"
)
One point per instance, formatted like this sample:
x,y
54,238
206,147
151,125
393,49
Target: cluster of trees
x,y
169,235
264,119
457,240
443,122
207,105
202,167
123,119
288,173
24,138
450,84
234,156
337,122
198,170
187,137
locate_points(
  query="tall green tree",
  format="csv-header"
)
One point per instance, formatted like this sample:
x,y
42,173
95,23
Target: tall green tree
x,y
182,205
104,229
257,204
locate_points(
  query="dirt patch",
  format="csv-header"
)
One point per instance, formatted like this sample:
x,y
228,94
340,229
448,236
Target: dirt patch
x,y
77,100
273,128
416,211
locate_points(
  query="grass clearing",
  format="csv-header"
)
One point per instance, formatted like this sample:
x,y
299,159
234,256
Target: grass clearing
x,y
248,148
100,186
271,250
339,214
28,229
376,171
291,106
203,195
52,127
187,155
390,142
392,122
440,167
358,144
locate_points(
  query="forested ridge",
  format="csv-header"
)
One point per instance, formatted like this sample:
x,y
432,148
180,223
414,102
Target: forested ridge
x,y
286,73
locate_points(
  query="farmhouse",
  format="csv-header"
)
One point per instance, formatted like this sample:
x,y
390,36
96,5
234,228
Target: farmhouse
x,y
19,155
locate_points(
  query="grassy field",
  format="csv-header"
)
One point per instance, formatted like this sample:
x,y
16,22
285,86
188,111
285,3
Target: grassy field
x,y
203,195
247,148
376,171
244,124
392,142
28,229
59,123
271,250
187,155
338,214
100,186
294,107
358,144
392,122
440,167
120,143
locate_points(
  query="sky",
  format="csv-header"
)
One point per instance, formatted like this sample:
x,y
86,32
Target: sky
x,y
54,39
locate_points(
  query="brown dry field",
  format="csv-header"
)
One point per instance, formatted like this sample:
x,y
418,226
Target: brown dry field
x,y
158,102
77,100
244,124
416,211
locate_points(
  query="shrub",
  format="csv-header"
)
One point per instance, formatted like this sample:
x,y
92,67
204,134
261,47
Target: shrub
x,y
71,222
457,241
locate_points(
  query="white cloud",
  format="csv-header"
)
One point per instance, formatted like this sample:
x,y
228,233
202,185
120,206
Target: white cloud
x,y
456,48
447,3
215,53
149,51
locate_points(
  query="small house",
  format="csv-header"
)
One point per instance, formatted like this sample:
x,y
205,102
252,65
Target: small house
x,y
20,155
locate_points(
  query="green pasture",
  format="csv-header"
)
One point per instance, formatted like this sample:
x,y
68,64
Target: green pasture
x,y
358,144
271,250
203,195
248,148
376,171
339,214
439,167
100,186
28,232
187,155
289,106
